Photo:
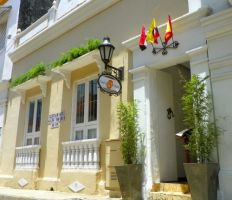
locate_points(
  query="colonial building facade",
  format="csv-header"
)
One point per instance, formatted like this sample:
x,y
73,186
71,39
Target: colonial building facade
x,y
61,131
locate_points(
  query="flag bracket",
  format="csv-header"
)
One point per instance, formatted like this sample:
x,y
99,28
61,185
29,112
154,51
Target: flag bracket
x,y
164,48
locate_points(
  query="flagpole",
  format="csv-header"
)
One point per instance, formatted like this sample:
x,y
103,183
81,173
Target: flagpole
x,y
153,51
161,41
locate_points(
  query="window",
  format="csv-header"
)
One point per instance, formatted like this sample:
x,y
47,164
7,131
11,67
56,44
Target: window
x,y
85,110
33,122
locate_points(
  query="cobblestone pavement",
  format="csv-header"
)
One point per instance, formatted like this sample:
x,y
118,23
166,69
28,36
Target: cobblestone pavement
x,y
18,194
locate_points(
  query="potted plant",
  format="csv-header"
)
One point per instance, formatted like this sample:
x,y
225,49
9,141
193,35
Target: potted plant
x,y
130,175
197,108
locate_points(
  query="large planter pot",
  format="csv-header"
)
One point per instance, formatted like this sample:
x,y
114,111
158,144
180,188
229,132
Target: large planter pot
x,y
202,180
130,178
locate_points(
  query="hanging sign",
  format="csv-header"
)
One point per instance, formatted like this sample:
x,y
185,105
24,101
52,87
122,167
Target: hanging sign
x,y
3,2
109,84
55,119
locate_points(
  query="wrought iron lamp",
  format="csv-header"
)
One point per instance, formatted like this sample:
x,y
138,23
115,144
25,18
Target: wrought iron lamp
x,y
106,51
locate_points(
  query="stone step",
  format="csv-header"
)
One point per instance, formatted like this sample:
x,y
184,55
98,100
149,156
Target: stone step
x,y
169,196
171,187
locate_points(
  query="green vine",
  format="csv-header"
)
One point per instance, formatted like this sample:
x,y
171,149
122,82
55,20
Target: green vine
x,y
40,69
35,71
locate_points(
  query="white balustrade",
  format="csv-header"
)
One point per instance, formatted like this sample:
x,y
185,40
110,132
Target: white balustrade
x,y
52,16
81,154
27,157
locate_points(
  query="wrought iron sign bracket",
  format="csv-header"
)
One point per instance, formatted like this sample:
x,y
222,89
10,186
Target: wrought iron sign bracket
x,y
116,72
173,45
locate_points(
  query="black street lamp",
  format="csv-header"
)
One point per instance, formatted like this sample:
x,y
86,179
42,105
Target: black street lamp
x,y
106,50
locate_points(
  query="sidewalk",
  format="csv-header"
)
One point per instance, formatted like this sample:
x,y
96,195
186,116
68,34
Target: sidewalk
x,y
19,194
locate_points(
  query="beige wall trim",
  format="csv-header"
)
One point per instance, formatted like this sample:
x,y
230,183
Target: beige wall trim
x,y
72,19
180,24
51,179
6,176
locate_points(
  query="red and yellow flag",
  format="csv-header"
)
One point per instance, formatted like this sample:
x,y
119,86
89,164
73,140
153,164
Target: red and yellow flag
x,y
153,33
168,33
142,40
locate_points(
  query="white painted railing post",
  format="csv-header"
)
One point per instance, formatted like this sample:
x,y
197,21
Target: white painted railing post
x,y
52,13
81,154
27,157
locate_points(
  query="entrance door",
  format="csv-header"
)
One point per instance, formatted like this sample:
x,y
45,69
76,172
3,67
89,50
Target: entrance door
x,y
164,126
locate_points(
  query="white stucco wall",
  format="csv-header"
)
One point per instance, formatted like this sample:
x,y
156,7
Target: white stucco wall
x,y
66,5
215,5
115,22
12,25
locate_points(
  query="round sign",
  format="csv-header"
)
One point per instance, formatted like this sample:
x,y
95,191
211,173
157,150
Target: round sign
x,y
109,84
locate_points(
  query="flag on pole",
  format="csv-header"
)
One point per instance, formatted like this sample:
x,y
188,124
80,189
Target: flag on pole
x,y
153,33
168,33
142,40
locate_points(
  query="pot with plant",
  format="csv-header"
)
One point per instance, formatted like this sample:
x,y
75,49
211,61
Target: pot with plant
x,y
202,176
130,175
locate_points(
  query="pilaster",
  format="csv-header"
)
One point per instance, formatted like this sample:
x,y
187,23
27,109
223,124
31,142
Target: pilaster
x,y
142,89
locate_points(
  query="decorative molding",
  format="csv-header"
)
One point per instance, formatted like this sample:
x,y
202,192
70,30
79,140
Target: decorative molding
x,y
221,68
40,81
76,186
218,25
225,61
51,179
99,62
61,26
197,51
199,62
139,73
78,63
22,182
179,24
138,70
43,87
221,76
66,75
3,176
22,93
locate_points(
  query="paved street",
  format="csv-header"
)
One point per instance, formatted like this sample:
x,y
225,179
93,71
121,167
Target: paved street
x,y
18,194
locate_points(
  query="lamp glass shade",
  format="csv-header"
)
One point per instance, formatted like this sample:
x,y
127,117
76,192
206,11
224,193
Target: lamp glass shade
x,y
106,50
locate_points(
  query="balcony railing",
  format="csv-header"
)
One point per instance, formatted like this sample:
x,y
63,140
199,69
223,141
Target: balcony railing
x,y
52,16
81,154
27,157
32,30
